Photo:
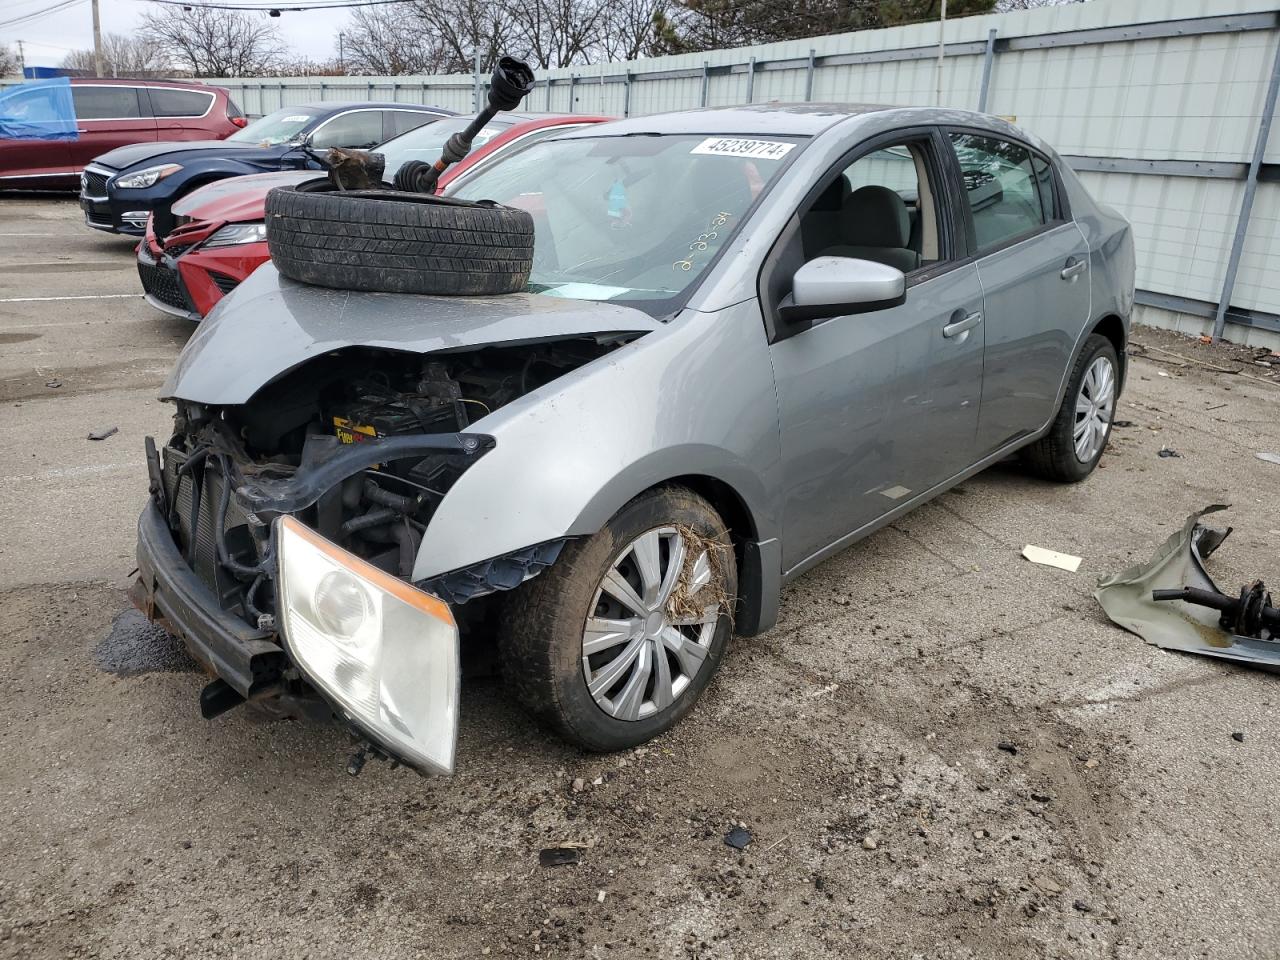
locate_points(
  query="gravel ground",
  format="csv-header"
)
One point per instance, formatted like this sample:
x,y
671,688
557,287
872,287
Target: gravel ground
x,y
859,742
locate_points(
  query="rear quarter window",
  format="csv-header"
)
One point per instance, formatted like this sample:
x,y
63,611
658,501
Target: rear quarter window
x,y
402,121
106,103
179,103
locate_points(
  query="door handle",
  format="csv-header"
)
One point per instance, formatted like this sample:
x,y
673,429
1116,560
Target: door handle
x,y
81,130
1075,266
957,327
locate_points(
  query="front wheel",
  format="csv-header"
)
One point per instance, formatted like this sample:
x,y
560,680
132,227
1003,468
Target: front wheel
x,y
615,642
1073,446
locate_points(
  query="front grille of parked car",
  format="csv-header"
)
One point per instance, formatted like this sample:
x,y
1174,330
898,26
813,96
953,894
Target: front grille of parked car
x,y
95,184
162,283
224,283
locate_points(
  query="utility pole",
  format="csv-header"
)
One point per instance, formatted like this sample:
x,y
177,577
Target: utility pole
x,y
97,41
342,59
22,61
942,29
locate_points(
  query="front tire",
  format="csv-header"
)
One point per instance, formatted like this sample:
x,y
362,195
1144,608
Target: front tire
x,y
615,642
1071,449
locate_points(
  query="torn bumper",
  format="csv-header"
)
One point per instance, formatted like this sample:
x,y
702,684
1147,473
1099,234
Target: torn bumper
x,y
1176,624
169,592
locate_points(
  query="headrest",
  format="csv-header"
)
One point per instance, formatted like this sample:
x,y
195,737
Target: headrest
x,y
876,216
832,199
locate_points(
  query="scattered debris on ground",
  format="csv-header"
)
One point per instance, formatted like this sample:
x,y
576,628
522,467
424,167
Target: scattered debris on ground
x,y
557,856
739,838
104,433
1051,558
1173,603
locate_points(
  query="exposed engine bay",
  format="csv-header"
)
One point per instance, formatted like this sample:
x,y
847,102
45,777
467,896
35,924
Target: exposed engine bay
x,y
384,434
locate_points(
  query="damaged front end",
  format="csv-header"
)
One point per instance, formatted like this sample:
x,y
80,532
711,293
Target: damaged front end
x,y
282,534
1173,603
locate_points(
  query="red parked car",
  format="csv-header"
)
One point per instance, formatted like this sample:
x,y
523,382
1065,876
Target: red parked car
x,y
111,114
220,236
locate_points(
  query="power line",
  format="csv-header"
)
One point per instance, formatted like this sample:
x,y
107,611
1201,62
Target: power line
x,y
35,14
341,4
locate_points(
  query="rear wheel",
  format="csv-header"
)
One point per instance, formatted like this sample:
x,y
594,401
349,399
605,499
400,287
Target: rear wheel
x,y
615,642
1073,446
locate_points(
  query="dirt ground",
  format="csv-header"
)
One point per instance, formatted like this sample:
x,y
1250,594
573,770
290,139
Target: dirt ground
x,y
858,742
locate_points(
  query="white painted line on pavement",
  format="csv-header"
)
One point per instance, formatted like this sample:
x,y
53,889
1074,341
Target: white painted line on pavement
x,y
63,473
89,296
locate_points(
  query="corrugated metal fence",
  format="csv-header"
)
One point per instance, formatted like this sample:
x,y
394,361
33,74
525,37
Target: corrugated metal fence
x,y
1164,118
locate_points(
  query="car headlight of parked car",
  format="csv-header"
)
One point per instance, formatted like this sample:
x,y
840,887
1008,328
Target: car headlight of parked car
x,y
147,177
234,233
385,652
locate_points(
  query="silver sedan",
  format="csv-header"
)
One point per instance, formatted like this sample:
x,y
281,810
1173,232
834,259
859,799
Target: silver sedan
x,y
750,338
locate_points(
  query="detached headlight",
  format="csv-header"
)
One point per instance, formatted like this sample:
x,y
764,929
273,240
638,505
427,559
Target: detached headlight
x,y
234,233
147,177
383,650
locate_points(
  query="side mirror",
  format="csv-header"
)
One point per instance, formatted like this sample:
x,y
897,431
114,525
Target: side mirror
x,y
834,286
301,140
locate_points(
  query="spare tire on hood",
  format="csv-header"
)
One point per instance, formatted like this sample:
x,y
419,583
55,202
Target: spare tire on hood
x,y
394,242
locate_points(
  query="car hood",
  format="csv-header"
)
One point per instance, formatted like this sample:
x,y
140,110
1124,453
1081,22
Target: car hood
x,y
174,151
270,325
238,199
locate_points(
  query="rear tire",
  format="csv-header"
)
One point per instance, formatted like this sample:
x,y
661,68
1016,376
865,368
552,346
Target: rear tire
x,y
550,622
390,242
1071,449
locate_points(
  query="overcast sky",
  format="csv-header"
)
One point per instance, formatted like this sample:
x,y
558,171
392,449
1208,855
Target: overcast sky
x,y
47,39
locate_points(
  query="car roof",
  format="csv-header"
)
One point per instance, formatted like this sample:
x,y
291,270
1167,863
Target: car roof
x,y
335,106
780,119
142,82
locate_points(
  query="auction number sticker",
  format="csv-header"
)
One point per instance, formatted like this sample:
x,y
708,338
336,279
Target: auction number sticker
x,y
740,147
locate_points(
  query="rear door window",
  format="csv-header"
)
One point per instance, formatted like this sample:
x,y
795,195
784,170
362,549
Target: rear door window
x,y
179,103
402,121
106,103
361,129
1009,190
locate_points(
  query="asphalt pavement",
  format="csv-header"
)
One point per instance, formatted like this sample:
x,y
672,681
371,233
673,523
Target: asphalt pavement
x,y
941,751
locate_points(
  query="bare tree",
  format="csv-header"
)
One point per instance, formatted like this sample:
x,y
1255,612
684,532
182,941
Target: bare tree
x,y
215,43
558,33
1004,6
290,66
122,56
383,42
8,61
631,29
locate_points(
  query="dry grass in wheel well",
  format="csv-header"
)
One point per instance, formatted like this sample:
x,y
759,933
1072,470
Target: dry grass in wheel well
x,y
689,603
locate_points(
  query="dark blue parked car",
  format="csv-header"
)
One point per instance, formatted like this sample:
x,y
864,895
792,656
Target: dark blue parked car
x,y
118,190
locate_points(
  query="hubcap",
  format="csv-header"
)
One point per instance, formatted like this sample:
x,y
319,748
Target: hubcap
x,y
638,655
1095,405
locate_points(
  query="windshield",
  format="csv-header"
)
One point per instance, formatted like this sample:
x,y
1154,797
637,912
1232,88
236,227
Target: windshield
x,y
275,128
426,143
630,218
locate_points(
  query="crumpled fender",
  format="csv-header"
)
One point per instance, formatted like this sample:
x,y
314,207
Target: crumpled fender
x,y
694,398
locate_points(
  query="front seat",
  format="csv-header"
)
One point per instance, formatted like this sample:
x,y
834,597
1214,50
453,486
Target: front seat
x,y
876,226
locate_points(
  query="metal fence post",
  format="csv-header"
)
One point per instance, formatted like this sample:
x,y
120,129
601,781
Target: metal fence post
x,y
573,81
1246,205
476,83
987,59
548,94
626,94
808,80
751,79
706,78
